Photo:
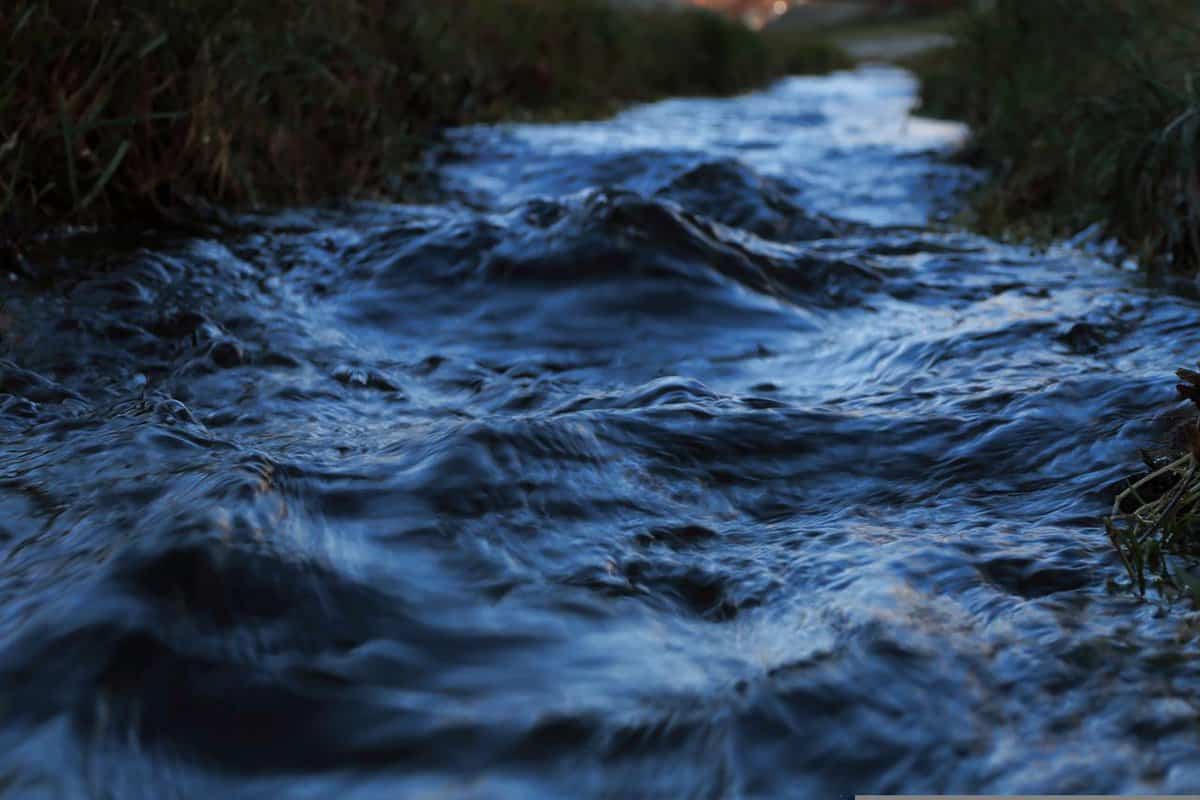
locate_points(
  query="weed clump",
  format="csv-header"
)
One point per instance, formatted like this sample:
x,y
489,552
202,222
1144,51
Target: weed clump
x,y
1155,520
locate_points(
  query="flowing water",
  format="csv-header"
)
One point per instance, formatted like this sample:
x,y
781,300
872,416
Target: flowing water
x,y
683,454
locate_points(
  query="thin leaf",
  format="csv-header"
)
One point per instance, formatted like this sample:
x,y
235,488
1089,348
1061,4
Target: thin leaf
x,y
154,44
69,150
21,23
110,47
107,174
126,121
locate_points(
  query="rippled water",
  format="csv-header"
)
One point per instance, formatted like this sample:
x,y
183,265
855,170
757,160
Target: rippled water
x,y
677,455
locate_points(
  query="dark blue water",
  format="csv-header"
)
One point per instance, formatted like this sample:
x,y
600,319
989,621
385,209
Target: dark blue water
x,y
679,455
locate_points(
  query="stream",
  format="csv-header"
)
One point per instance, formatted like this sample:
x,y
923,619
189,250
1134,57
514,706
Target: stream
x,y
686,454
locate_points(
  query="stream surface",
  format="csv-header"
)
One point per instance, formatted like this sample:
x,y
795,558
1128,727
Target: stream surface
x,y
679,455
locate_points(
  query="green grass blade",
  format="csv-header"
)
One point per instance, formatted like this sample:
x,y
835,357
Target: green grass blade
x,y
126,121
69,151
21,23
153,45
107,174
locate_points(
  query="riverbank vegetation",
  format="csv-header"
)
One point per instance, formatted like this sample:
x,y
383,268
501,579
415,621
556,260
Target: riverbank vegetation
x,y
145,108
1084,112
1088,112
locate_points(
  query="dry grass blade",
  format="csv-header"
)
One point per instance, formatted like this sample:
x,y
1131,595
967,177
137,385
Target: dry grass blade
x,y
68,140
105,176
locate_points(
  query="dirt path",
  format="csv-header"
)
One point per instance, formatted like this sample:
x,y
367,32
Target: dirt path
x,y
866,36
892,46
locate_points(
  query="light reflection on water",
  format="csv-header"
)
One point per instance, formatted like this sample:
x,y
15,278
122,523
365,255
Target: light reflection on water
x,y
675,455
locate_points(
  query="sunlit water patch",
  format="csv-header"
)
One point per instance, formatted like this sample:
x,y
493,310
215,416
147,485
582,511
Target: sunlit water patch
x,y
676,455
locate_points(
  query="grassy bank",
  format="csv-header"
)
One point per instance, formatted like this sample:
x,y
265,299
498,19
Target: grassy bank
x,y
143,108
1088,111
1085,110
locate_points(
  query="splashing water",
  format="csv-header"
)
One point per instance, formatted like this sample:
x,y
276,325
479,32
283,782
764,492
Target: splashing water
x,y
683,454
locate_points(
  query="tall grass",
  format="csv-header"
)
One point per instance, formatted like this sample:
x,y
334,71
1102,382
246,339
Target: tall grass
x,y
136,108
148,105
1086,110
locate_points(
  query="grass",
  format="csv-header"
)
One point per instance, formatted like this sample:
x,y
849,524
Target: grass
x,y
1155,521
1085,111
1155,518
147,109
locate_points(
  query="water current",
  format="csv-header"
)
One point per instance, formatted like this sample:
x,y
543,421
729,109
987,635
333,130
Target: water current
x,y
686,454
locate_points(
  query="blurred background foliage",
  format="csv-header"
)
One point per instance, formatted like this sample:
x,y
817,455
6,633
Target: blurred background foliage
x,y
150,108
1086,111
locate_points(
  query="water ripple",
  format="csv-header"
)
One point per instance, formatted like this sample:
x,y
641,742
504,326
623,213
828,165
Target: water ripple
x,y
682,454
